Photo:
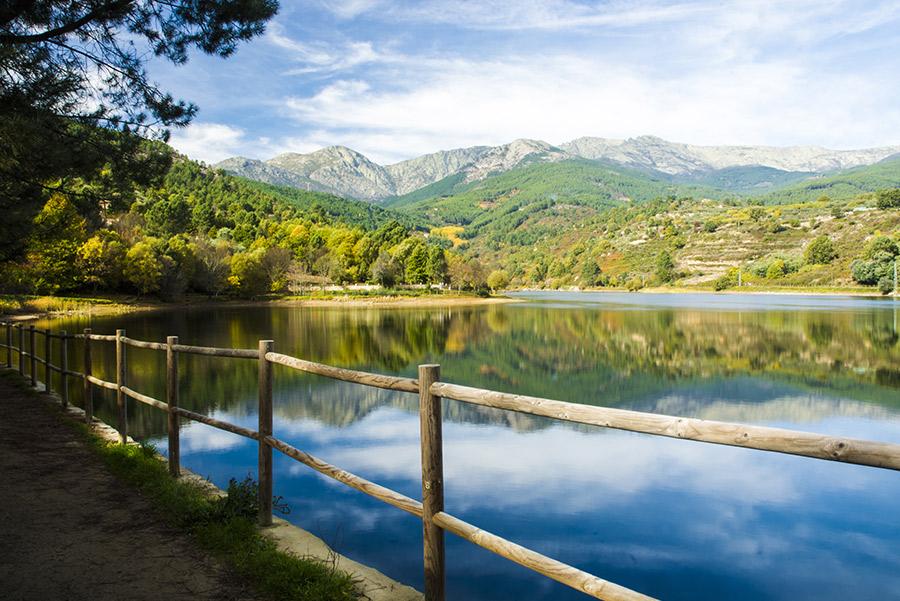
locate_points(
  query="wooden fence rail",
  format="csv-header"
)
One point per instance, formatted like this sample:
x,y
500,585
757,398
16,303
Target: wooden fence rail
x,y
431,391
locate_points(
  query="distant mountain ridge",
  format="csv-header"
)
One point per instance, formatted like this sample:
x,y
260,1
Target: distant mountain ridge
x,y
346,172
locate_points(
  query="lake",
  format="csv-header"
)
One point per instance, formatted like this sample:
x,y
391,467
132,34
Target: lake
x,y
670,518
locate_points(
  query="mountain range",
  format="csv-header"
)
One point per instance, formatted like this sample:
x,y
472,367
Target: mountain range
x,y
740,169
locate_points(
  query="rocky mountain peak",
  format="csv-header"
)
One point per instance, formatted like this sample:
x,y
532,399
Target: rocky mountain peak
x,y
344,171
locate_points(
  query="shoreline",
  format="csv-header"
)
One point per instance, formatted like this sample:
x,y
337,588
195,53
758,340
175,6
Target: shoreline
x,y
121,306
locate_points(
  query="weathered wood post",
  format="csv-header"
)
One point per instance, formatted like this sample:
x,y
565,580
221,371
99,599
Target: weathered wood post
x,y
172,400
48,370
265,429
88,391
430,423
21,350
32,356
64,367
8,345
120,382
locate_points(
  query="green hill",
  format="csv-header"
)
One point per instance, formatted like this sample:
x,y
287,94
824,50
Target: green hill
x,y
335,208
591,184
841,185
745,179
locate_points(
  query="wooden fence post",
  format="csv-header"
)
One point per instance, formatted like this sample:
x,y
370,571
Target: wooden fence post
x,y
172,400
120,382
430,423
21,350
48,370
88,391
8,345
265,429
64,367
32,356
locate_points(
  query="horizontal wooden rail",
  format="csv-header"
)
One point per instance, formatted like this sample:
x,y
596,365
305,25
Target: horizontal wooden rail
x,y
777,440
353,481
157,346
106,337
241,353
347,375
102,383
147,400
216,423
577,579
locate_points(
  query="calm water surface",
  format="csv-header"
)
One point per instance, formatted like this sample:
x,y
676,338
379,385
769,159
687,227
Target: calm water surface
x,y
673,519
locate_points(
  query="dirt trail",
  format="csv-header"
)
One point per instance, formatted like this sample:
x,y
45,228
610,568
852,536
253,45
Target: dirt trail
x,y
69,531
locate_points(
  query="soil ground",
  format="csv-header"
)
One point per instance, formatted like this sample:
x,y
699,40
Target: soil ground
x,y
69,531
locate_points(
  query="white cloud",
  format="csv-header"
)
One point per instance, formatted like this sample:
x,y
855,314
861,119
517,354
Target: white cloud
x,y
739,72
523,14
462,103
319,57
198,438
210,142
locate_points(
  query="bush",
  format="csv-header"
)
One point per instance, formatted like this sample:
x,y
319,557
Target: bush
x,y
777,269
727,280
888,199
819,252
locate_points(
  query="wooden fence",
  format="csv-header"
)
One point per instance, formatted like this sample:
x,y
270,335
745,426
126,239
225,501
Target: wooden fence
x,y
435,521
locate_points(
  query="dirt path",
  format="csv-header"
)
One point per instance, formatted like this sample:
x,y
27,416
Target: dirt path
x,y
70,532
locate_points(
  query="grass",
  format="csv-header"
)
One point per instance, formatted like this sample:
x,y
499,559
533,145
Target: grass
x,y
18,303
386,293
224,527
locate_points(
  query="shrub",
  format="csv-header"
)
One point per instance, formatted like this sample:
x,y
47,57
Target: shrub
x,y
888,199
727,280
819,252
777,269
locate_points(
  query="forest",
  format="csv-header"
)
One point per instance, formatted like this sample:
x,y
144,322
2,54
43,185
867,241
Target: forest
x,y
200,230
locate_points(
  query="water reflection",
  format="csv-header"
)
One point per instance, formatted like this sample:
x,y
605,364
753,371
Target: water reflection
x,y
675,519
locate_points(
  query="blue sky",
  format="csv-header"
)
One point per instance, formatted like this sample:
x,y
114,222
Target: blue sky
x,y
398,79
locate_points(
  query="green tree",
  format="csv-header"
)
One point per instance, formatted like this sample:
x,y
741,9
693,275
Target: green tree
x,y
819,252
248,273
102,258
590,273
437,265
498,280
417,265
888,199
168,215
74,90
665,267
385,270
143,267
53,247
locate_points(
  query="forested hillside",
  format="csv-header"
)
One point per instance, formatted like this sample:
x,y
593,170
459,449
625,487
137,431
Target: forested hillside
x,y
198,229
575,223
